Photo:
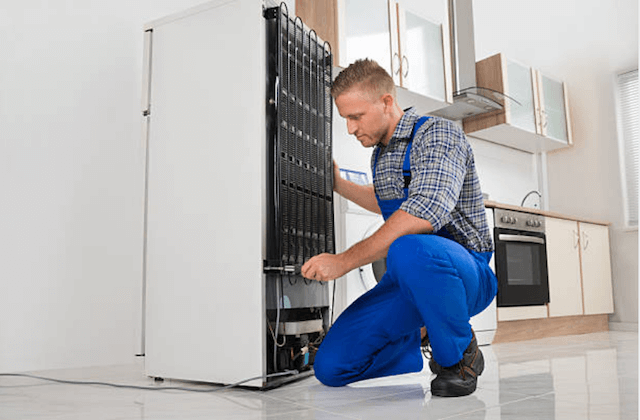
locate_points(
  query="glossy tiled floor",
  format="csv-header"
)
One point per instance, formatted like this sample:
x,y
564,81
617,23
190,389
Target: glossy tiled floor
x,y
593,376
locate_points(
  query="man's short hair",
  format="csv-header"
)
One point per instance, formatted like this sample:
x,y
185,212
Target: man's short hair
x,y
367,75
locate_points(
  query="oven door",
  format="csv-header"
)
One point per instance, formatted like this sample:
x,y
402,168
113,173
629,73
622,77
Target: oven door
x,y
521,268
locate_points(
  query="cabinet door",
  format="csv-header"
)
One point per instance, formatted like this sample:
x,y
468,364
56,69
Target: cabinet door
x,y
596,269
422,50
519,86
563,259
366,32
552,100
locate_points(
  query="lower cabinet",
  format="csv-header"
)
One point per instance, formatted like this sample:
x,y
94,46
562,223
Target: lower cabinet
x,y
579,264
596,269
563,260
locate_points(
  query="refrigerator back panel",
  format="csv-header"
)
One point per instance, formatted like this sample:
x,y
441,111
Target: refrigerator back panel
x,y
300,142
299,189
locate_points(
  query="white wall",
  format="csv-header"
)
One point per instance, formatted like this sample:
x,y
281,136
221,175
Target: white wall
x,y
71,177
506,174
585,44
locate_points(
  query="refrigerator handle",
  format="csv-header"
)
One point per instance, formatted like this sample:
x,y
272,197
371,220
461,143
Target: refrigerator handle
x,y
146,73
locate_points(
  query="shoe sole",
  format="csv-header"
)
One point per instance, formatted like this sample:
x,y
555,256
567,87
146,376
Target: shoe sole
x,y
452,392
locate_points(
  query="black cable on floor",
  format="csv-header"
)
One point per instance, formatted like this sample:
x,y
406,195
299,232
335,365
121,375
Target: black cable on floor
x,y
148,388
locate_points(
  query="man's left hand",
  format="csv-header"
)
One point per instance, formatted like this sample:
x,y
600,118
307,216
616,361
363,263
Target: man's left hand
x,y
324,267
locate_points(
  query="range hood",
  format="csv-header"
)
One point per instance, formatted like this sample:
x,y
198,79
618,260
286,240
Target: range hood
x,y
468,99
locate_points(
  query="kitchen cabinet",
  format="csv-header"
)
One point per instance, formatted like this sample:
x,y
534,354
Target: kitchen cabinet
x,y
596,269
413,49
418,63
579,266
535,114
364,31
563,263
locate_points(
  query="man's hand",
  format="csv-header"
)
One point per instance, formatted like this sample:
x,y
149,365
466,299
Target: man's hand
x,y
325,267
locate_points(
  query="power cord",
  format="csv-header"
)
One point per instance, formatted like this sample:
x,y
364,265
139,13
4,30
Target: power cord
x,y
148,388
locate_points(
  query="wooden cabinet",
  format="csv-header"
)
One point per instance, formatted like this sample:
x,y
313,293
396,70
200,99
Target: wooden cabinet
x,y
413,49
579,264
535,116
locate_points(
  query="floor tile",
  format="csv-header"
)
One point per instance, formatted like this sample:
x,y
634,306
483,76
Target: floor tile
x,y
592,376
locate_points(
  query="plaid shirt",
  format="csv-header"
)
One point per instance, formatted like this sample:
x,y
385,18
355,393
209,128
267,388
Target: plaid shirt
x,y
444,187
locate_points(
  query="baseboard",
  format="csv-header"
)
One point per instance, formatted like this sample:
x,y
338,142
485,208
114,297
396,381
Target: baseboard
x,y
531,329
623,326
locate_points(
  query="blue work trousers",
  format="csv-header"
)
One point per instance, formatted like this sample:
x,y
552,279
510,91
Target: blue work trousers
x,y
430,281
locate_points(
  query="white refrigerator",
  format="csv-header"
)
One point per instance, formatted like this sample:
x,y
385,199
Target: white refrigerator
x,y
214,297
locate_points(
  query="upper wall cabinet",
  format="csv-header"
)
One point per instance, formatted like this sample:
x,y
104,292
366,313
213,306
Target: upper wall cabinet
x,y
413,49
422,51
536,120
363,31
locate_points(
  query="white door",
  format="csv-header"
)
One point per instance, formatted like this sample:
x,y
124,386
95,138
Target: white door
x,y
563,260
366,32
596,269
423,62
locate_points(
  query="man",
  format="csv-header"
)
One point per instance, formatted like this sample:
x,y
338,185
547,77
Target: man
x,y
435,237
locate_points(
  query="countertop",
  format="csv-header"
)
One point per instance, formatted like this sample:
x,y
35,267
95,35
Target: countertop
x,y
494,204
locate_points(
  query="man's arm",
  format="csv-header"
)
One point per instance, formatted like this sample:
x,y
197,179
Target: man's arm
x,y
329,266
362,195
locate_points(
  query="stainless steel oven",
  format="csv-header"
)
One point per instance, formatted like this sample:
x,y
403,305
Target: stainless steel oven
x,y
520,258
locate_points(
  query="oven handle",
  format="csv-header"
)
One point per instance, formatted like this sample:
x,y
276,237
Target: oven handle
x,y
520,238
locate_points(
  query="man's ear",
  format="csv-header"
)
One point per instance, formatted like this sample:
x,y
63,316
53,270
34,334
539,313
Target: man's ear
x,y
387,100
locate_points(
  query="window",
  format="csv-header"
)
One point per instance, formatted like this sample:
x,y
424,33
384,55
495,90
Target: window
x,y
629,134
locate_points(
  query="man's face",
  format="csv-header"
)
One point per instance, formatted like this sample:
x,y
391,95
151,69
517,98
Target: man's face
x,y
366,117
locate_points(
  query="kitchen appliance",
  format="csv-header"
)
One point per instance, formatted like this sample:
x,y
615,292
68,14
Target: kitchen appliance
x,y
520,258
239,193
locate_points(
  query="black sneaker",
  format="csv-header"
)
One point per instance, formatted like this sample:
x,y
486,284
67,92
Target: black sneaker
x,y
460,379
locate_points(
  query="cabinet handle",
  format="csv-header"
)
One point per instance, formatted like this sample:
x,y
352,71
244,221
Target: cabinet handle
x,y
395,55
545,120
405,60
585,240
576,238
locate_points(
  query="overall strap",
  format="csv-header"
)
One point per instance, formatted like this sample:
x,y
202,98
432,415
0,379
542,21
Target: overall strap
x,y
406,165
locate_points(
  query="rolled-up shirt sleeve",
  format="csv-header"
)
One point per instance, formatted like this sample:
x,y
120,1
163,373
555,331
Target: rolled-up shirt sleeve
x,y
438,169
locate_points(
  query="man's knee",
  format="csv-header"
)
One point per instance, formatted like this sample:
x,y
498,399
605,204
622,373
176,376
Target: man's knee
x,y
403,251
326,371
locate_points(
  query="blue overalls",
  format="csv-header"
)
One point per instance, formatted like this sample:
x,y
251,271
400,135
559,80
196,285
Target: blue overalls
x,y
430,281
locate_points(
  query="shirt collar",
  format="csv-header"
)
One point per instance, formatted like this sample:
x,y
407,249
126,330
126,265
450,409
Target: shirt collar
x,y
405,125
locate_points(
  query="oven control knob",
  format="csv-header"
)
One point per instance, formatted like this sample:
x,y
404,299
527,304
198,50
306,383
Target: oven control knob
x,y
530,222
505,219
538,224
515,220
